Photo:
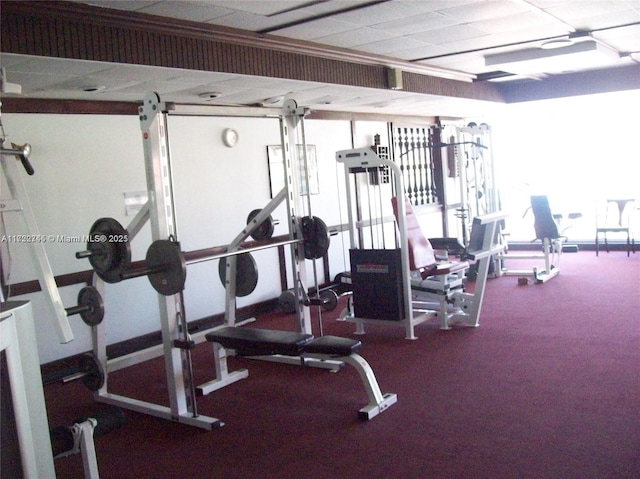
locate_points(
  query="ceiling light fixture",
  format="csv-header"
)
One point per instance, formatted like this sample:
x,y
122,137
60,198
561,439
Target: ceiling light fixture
x,y
273,100
93,88
557,43
580,55
209,95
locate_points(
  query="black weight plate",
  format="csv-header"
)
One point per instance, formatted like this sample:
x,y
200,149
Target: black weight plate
x,y
287,301
329,299
246,273
90,297
265,230
110,248
166,257
93,377
315,236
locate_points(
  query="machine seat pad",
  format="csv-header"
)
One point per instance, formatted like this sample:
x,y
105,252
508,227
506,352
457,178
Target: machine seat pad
x,y
259,342
332,346
448,268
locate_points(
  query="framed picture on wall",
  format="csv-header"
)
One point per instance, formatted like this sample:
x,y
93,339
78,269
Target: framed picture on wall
x,y
276,170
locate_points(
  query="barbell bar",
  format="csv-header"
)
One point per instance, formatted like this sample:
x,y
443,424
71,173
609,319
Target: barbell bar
x,y
109,253
165,267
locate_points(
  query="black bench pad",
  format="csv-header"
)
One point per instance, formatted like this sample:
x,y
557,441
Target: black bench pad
x,y
333,346
267,342
259,342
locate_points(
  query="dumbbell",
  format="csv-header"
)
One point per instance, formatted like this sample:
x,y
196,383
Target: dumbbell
x,y
90,306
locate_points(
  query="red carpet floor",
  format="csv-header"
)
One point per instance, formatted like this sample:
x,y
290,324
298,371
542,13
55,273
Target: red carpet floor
x,y
547,387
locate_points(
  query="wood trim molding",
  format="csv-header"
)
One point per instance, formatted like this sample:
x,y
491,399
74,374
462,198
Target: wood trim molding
x,y
84,32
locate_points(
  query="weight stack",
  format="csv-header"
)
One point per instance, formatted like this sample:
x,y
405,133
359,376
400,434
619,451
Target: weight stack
x,y
376,276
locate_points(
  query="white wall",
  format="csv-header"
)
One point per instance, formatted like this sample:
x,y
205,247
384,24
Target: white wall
x,y
86,163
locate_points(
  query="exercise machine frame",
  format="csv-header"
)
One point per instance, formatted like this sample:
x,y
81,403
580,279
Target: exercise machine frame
x,y
467,306
159,211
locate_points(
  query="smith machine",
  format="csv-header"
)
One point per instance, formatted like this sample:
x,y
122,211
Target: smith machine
x,y
396,279
165,267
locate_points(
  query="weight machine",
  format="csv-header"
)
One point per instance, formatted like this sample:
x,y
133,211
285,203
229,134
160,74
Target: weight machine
x,y
165,267
386,281
552,241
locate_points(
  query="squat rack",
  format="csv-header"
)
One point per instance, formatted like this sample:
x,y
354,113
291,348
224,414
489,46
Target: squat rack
x,y
160,212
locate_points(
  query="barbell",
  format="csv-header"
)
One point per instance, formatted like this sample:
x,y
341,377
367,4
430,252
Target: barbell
x,y
90,306
109,253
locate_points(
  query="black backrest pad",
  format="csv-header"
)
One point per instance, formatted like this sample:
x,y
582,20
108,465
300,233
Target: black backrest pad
x,y
258,342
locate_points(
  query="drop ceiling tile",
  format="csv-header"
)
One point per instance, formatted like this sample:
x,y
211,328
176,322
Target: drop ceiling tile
x,y
256,19
416,24
379,13
246,21
585,9
268,8
392,45
437,5
623,39
128,5
425,51
484,10
192,11
322,27
606,20
449,34
527,23
357,37
467,62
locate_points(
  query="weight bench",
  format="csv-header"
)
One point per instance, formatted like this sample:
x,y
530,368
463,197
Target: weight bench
x,y
254,342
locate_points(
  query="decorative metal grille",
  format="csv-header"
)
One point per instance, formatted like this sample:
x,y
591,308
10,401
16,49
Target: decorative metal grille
x,y
413,154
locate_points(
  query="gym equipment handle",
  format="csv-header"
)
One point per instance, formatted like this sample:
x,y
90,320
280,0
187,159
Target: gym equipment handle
x,y
22,153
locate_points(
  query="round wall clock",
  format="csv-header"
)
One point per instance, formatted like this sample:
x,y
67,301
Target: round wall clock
x,y
230,137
